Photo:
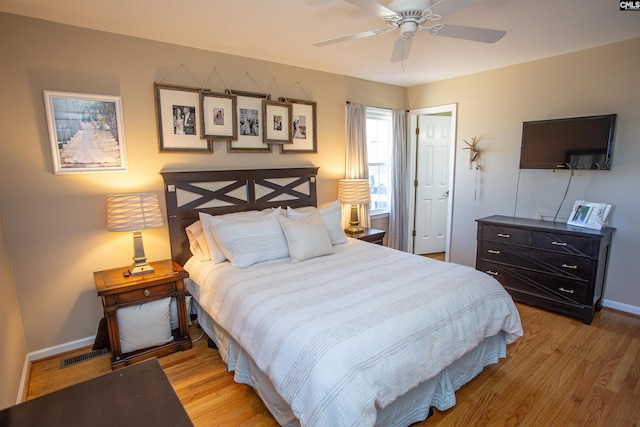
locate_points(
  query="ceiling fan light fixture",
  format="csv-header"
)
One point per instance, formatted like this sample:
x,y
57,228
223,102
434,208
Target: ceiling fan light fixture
x,y
408,29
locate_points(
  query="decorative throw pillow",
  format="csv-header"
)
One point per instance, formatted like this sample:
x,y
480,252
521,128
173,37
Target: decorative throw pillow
x,y
198,242
247,242
144,325
331,215
216,253
307,237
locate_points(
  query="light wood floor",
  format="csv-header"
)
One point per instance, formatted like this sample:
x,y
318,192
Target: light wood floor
x,y
560,373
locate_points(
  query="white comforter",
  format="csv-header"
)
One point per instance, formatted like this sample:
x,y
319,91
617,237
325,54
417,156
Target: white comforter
x,y
341,334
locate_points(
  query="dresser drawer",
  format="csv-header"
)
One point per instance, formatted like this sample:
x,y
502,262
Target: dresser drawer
x,y
566,266
537,283
514,236
563,243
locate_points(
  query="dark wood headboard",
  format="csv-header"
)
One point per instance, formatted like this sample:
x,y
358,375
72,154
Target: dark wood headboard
x,y
225,191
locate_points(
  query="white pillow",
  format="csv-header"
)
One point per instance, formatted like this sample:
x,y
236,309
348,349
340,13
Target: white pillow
x,y
144,325
307,237
216,253
198,242
331,215
247,242
173,312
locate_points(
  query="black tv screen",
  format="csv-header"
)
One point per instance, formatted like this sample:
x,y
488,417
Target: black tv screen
x,y
572,143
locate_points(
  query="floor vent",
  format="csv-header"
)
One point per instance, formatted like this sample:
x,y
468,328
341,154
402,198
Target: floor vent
x,y
83,357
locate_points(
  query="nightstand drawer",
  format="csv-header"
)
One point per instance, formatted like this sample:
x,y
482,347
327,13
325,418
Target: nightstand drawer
x,y
149,293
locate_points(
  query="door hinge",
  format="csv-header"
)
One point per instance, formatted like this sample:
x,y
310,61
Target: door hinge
x,y
415,183
417,131
413,233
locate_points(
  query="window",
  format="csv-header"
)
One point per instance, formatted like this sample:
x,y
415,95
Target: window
x,y
379,153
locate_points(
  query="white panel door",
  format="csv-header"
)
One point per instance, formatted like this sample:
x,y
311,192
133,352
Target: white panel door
x,y
432,190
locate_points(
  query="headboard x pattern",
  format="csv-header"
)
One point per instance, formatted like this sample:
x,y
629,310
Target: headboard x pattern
x,y
220,192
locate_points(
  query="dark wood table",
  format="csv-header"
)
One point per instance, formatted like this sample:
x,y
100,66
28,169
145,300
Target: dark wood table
x,y
137,395
119,291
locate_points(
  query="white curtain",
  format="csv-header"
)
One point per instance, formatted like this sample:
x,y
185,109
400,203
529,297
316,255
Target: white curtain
x,y
399,209
357,163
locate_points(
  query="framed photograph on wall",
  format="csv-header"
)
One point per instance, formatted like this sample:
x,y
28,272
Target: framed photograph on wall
x,y
303,127
250,133
86,132
219,116
277,122
177,111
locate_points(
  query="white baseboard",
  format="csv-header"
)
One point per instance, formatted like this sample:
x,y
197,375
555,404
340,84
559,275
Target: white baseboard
x,y
627,308
61,348
43,354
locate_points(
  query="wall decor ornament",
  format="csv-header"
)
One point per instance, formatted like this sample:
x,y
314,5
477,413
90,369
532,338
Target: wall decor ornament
x,y
303,127
219,120
277,122
474,151
250,132
178,111
86,132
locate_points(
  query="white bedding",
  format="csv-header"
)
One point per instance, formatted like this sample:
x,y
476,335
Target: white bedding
x,y
344,335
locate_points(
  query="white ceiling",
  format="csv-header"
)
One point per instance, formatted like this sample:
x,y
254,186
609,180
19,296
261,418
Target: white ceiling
x,y
284,31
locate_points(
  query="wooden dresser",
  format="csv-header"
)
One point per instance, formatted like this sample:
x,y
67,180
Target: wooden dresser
x,y
546,264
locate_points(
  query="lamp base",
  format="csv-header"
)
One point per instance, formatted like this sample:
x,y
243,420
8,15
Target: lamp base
x,y
140,265
140,268
354,230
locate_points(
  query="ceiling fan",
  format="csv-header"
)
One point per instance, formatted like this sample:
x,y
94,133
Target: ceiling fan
x,y
412,15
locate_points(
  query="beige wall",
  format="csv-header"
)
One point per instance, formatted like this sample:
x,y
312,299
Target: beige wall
x,y
492,106
56,224
13,345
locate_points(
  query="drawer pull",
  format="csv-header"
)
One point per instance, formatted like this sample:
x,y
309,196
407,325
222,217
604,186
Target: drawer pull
x,y
147,292
559,243
493,251
568,291
493,273
506,236
571,266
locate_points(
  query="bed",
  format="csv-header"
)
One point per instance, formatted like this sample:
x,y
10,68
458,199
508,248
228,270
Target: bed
x,y
353,334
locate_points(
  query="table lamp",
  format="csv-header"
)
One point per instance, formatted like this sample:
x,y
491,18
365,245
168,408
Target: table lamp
x,y
355,192
134,212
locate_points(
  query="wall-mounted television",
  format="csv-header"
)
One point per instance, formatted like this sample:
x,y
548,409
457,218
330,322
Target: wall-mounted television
x,y
570,143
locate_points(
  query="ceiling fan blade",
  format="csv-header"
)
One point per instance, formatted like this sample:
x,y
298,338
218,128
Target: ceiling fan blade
x,y
353,36
447,7
401,49
484,35
372,7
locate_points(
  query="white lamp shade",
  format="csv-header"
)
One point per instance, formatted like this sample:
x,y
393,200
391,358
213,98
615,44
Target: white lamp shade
x,y
354,191
133,212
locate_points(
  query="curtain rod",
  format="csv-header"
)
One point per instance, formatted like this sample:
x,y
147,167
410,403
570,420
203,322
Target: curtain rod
x,y
373,106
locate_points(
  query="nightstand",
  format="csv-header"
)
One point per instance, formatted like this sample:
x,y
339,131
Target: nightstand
x,y
118,291
370,235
